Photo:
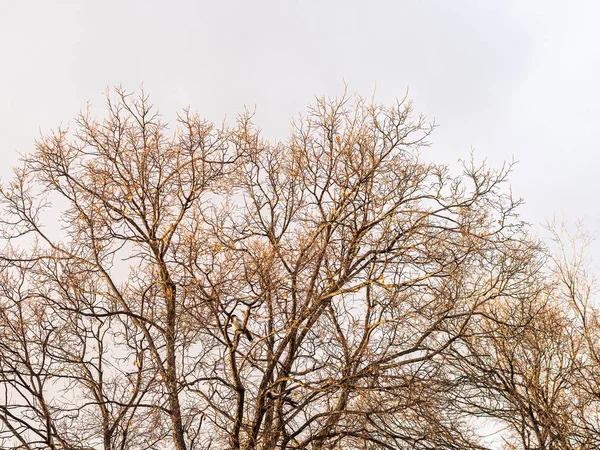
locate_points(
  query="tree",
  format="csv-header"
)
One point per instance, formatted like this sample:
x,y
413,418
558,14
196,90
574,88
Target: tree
x,y
530,361
519,366
354,265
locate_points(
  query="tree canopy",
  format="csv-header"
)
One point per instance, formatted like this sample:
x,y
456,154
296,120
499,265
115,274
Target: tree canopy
x,y
381,301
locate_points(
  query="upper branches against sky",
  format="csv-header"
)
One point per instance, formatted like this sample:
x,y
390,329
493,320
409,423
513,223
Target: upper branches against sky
x,y
373,286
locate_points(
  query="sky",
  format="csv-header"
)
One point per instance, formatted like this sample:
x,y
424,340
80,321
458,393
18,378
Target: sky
x,y
506,79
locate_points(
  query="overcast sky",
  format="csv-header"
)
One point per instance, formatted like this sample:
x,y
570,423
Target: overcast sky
x,y
507,78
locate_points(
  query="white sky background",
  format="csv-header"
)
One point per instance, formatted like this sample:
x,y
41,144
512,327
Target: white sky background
x,y
507,78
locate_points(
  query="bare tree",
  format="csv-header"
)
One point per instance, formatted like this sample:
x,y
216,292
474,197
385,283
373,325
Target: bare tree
x,y
576,286
530,361
352,265
518,366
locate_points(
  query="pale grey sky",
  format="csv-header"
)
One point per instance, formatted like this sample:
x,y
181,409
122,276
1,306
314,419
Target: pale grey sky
x,y
508,78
